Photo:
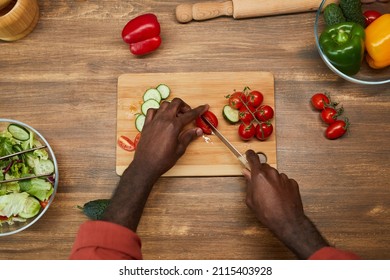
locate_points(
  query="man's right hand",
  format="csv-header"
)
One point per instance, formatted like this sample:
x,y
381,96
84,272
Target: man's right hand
x,y
277,204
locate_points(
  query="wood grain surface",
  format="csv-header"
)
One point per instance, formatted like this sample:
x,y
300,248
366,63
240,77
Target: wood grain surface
x,y
62,80
207,156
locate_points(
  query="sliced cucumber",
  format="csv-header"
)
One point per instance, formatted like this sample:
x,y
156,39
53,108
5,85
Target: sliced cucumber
x,y
148,104
152,93
164,90
230,114
19,132
43,167
139,122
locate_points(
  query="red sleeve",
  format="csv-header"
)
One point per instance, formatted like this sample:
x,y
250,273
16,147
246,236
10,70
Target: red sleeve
x,y
105,241
330,253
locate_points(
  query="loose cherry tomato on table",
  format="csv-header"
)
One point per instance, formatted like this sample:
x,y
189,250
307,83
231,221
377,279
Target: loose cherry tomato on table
x,y
264,130
126,144
329,115
371,16
255,98
245,115
319,101
246,131
264,113
337,129
237,99
211,117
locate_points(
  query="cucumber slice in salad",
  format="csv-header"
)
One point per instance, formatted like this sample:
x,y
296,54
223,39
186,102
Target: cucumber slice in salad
x,y
19,132
139,122
230,114
164,91
152,93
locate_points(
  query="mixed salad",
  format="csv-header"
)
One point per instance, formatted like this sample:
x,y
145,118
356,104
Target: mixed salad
x,y
20,198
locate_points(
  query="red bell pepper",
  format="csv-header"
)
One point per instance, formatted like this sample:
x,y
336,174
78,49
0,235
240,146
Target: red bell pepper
x,y
142,34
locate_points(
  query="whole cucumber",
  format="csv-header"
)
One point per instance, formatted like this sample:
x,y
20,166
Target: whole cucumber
x,y
333,14
352,10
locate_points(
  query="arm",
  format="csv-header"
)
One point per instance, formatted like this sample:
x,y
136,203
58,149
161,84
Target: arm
x,y
164,140
276,202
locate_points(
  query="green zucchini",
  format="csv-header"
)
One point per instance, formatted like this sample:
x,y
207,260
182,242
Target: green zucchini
x,y
352,10
95,209
164,90
230,114
333,14
19,132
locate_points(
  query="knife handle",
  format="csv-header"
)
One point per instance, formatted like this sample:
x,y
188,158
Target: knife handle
x,y
202,11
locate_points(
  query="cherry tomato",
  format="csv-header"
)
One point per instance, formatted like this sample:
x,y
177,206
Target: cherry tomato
x,y
264,130
246,131
3,218
211,117
371,16
236,99
329,115
337,129
126,144
44,203
136,140
246,116
264,113
255,98
319,101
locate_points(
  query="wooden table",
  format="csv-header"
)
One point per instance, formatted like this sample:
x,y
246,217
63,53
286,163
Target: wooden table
x,y
62,80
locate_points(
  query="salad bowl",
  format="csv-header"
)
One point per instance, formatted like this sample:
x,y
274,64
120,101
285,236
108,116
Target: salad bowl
x,y
28,178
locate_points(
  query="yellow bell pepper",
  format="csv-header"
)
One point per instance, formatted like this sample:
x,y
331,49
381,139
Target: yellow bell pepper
x,y
378,42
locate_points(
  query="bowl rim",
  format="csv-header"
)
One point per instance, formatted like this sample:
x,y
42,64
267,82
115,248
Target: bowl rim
x,y
330,65
55,185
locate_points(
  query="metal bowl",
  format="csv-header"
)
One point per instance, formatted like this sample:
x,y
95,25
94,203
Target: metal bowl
x,y
8,229
366,75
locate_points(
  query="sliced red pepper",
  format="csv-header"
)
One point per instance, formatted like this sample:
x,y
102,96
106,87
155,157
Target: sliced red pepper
x,y
126,144
142,34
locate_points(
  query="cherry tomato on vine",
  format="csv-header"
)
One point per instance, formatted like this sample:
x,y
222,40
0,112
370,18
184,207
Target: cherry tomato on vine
x,y
255,98
371,16
329,115
211,117
337,129
236,99
319,101
264,113
264,130
246,131
246,116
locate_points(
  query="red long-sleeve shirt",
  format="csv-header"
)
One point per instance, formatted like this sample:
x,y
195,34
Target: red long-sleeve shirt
x,y
104,240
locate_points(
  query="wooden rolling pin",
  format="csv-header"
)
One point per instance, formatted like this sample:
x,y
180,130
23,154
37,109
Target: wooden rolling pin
x,y
244,8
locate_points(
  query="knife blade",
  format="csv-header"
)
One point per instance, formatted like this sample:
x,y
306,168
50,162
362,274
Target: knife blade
x,y
241,157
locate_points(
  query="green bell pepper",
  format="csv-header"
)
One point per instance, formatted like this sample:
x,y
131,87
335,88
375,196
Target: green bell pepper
x,y
343,45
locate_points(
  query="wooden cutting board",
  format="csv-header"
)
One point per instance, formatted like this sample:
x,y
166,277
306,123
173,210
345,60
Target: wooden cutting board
x,y
202,158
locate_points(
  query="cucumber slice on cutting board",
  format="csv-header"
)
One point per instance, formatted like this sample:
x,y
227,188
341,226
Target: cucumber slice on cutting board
x,y
148,104
230,114
139,122
164,90
152,93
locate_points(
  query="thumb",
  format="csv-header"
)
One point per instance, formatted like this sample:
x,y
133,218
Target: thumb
x,y
187,136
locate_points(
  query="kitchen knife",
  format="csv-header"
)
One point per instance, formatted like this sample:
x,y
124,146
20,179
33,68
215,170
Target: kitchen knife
x,y
241,157
244,9
23,152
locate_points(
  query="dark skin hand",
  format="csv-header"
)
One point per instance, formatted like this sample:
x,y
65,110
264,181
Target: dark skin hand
x,y
165,138
277,204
